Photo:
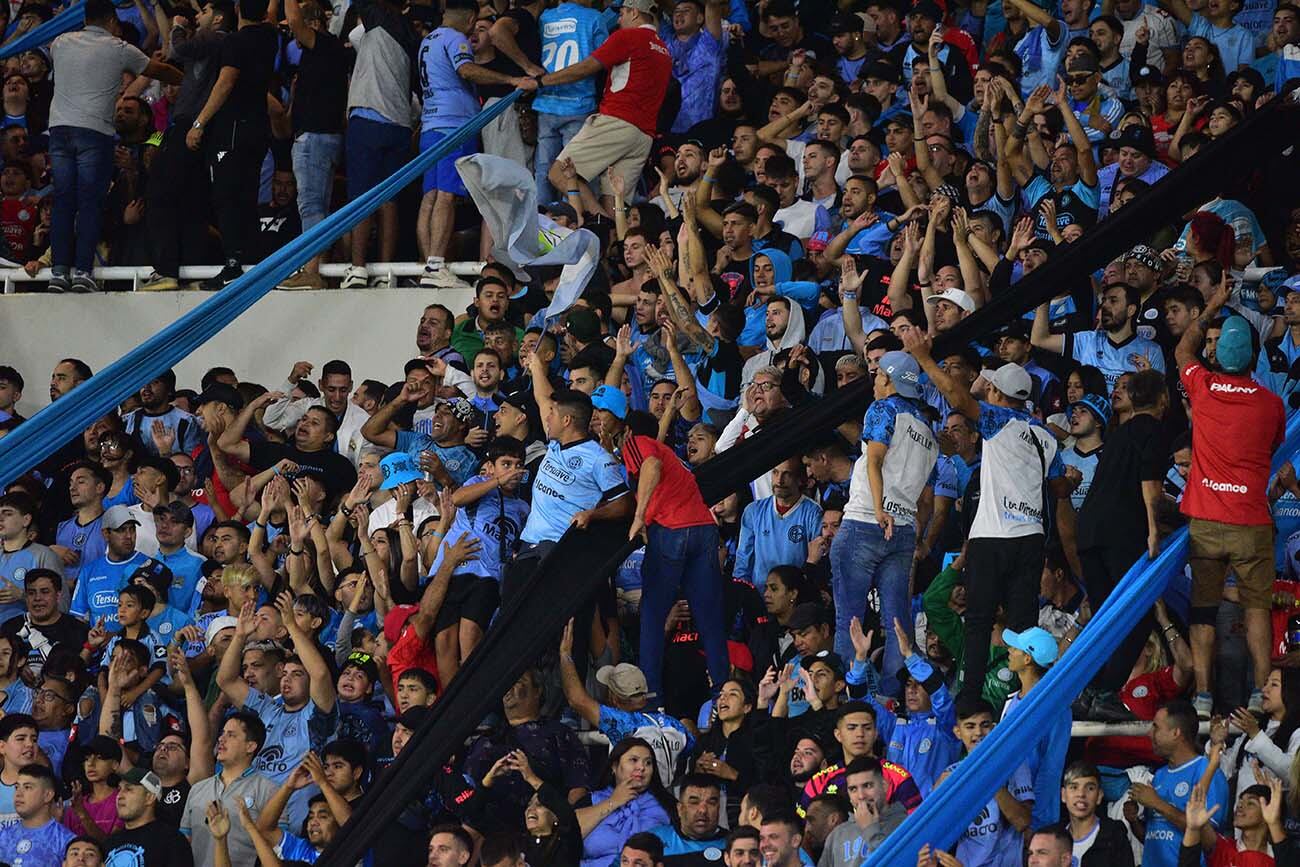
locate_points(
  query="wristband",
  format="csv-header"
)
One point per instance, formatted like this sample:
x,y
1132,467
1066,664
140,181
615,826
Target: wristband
x,y
849,296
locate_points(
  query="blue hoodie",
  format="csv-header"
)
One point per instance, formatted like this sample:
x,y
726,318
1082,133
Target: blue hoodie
x,y
803,293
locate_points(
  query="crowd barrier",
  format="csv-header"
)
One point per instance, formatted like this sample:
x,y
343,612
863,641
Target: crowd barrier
x,y
32,441
944,816
69,19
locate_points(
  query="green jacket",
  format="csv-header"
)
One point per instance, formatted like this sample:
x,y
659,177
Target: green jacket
x,y
467,339
999,681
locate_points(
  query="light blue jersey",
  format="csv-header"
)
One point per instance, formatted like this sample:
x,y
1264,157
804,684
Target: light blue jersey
x,y
449,100
35,846
496,521
187,569
14,566
1174,785
187,433
1112,359
289,734
460,461
1040,57
1236,44
88,541
990,840
570,32
295,848
769,539
1085,464
571,478
98,585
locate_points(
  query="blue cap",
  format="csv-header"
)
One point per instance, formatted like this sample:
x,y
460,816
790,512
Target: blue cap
x,y
398,469
903,372
1235,351
610,399
1035,641
1097,405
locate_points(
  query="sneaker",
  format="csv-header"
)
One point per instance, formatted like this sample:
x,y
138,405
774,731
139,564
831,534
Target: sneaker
x,y
1256,704
303,280
1204,704
437,276
355,277
1081,707
82,281
158,283
58,281
1107,707
230,273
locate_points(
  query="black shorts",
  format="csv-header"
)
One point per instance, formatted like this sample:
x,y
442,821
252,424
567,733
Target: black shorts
x,y
469,597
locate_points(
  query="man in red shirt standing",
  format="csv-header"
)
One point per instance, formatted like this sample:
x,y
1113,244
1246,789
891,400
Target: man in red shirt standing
x,y
637,66
681,548
1237,424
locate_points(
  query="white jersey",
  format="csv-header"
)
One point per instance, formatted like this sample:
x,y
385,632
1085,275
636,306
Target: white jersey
x,y
1018,453
909,461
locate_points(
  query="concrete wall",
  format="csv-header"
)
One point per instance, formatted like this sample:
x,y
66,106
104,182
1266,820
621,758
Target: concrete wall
x,y
371,329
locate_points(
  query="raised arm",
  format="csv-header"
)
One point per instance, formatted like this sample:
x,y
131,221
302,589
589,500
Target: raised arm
x,y
774,132
1039,17
1078,135
574,692
436,593
195,712
959,398
920,105
900,282
850,312
379,429
232,440
318,670
1189,347
228,673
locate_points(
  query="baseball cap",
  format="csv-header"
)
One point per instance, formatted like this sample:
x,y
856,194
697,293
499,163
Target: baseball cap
x,y
956,296
829,657
177,511
398,469
1235,349
582,324
560,209
740,656
1144,255
1010,379
928,9
610,399
138,776
216,625
1139,138
364,662
1017,328
1148,75
150,568
624,680
819,241
903,372
807,614
219,392
118,517
1035,641
1097,405
1083,62
414,717
396,619
465,412
844,22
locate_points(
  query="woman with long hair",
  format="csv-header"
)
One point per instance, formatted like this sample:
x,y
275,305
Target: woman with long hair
x,y
629,799
15,695
1209,237
1180,89
734,749
1273,741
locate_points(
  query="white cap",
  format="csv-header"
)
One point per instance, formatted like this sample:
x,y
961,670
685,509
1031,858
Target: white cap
x,y
956,296
1010,379
216,625
118,517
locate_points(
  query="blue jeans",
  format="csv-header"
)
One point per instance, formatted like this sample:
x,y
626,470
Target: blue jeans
x,y
862,560
82,163
315,156
682,562
553,132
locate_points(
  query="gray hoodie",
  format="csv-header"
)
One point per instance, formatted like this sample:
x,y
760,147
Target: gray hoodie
x,y
848,845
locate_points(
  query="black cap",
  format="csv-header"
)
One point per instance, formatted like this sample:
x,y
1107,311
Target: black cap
x,y
829,658
560,209
1139,138
928,9
414,717
162,465
883,70
177,511
845,22
221,393
149,569
1017,328
1148,75
808,614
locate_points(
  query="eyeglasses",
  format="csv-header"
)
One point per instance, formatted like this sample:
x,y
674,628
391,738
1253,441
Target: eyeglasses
x,y
51,695
763,386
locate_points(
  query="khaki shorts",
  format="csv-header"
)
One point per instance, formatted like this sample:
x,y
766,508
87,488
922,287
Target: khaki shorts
x,y
607,142
1247,550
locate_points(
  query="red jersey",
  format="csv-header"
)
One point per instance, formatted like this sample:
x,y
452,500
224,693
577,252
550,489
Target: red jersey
x,y
1143,695
676,502
638,66
411,651
18,218
1226,854
1237,424
900,788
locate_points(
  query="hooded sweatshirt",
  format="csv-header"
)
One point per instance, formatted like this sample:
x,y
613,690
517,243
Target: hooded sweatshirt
x,y
848,845
804,297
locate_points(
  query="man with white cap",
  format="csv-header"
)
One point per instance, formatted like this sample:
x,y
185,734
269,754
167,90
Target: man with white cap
x,y
945,309
144,840
1020,459
874,545
95,596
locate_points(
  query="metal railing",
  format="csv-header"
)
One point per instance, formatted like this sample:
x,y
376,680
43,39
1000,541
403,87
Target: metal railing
x,y
137,275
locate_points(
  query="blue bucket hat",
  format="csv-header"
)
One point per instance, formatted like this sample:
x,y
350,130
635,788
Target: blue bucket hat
x,y
1235,351
1095,404
610,399
398,469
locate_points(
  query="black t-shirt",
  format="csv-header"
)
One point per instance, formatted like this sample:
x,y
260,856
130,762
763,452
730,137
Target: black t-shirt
x,y
336,472
320,98
1114,513
252,50
276,227
152,845
171,806
67,630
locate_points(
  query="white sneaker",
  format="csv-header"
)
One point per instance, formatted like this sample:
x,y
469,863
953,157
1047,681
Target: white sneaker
x,y
438,276
355,277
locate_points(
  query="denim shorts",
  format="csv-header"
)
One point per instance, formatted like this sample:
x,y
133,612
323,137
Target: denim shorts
x,y
442,175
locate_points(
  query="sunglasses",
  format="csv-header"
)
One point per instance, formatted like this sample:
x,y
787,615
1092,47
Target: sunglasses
x,y
1079,79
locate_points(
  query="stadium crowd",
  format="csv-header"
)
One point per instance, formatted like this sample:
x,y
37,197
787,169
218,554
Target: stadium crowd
x,y
227,606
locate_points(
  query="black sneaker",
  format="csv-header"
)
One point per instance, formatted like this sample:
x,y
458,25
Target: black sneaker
x,y
228,275
1107,707
1081,707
